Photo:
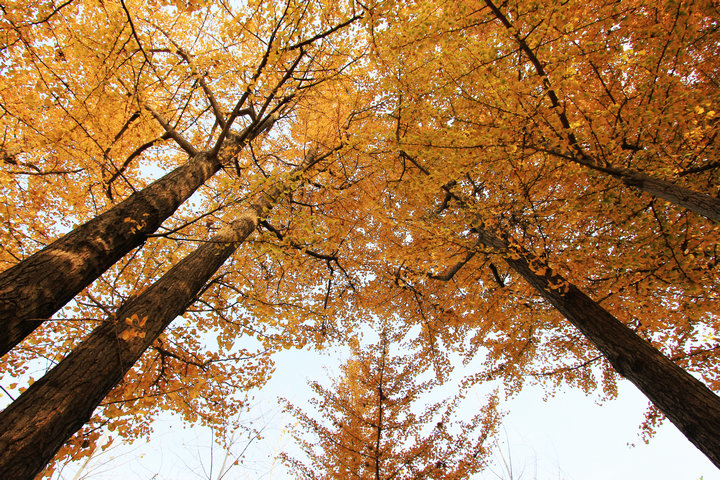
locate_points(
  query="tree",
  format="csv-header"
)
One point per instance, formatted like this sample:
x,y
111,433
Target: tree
x,y
374,425
687,402
478,135
37,424
670,388
698,202
470,117
175,360
29,290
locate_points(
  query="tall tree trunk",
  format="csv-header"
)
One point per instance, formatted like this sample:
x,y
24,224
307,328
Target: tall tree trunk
x,y
687,402
700,203
34,289
36,425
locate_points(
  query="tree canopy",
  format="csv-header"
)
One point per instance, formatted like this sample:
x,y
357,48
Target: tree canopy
x,y
374,423
533,185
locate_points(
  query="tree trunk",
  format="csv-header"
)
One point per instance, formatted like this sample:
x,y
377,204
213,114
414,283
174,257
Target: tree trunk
x,y
687,402
46,415
34,289
697,202
700,203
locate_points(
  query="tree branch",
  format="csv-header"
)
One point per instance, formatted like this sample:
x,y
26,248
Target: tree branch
x,y
181,141
325,33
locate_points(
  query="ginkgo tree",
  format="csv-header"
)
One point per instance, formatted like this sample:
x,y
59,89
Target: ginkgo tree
x,y
281,44
481,128
373,424
39,422
168,76
621,132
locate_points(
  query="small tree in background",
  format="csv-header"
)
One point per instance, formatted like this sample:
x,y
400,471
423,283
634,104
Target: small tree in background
x,y
374,424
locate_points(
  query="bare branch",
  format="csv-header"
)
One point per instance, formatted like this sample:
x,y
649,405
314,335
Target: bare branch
x,y
135,35
12,160
497,276
325,33
48,16
201,78
181,141
450,272
238,106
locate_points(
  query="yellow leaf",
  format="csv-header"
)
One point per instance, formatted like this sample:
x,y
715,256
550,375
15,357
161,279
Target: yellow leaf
x,y
127,335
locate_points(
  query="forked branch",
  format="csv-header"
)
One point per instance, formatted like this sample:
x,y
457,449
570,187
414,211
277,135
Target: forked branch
x,y
174,134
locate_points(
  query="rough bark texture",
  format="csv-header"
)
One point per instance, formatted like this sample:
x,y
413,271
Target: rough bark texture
x,y
687,402
36,425
32,290
700,203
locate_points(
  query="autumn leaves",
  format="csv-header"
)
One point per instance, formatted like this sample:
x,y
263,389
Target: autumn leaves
x,y
35,288
469,172
495,126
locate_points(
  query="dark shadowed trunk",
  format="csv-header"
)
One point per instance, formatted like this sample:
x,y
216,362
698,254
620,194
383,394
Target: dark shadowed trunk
x,y
47,414
687,402
34,289
700,203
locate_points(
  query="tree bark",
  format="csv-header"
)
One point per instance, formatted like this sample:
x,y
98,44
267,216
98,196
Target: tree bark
x,y
36,424
32,290
700,203
687,402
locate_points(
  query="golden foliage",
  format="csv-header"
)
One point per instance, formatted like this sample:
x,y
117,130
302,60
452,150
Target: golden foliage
x,y
451,114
